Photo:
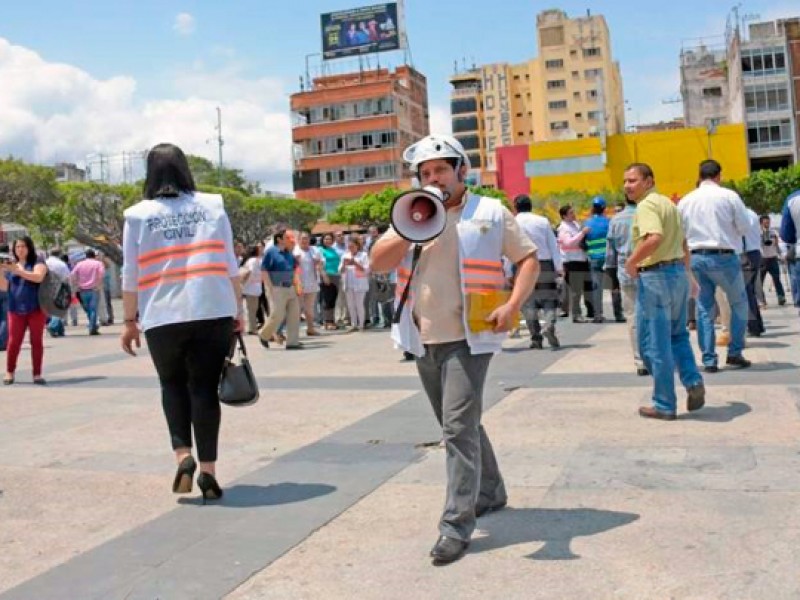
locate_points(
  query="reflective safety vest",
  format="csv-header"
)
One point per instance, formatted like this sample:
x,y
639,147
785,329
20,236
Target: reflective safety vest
x,y
480,244
178,257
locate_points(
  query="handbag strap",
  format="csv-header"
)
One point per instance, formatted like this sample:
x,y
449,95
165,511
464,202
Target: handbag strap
x,y
404,298
237,340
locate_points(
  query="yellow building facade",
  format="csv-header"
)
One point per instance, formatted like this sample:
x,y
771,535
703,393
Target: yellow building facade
x,y
572,90
674,156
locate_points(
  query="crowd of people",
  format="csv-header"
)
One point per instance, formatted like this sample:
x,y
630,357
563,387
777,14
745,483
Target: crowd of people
x,y
450,302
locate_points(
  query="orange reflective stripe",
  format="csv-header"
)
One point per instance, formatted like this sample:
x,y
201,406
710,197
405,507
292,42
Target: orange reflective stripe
x,y
483,269
173,275
477,263
155,256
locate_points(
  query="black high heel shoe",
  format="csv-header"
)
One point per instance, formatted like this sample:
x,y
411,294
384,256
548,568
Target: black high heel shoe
x,y
209,487
184,476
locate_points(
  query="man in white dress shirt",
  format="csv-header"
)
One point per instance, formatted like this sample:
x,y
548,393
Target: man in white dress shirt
x,y
545,294
714,221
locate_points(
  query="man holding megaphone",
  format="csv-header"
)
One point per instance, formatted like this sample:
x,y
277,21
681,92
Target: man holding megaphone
x,y
452,312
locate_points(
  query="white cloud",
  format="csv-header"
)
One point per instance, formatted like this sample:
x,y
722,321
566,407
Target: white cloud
x,y
184,24
440,119
52,112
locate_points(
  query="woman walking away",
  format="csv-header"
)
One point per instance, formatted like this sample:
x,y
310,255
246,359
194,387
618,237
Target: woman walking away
x,y
355,277
21,278
181,277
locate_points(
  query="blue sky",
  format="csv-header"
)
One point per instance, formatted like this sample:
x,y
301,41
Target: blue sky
x,y
113,76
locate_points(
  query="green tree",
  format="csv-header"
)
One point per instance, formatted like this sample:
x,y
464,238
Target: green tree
x,y
765,191
25,188
92,214
253,218
205,173
371,209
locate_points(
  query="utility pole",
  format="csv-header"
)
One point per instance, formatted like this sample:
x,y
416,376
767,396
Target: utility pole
x,y
220,142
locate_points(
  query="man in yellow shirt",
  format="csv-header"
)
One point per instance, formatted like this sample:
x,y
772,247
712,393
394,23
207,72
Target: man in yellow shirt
x,y
659,261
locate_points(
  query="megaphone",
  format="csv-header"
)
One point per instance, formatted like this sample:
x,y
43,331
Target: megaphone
x,y
419,215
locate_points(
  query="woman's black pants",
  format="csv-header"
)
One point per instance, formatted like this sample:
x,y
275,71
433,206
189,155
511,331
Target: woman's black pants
x,y
189,358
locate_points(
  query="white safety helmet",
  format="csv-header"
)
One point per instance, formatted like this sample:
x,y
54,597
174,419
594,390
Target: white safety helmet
x,y
432,147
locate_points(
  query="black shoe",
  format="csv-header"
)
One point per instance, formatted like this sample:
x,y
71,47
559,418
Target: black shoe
x,y
536,345
94,332
642,372
447,550
209,487
620,319
297,346
184,476
781,301
552,339
563,315
753,334
696,398
264,342
711,368
408,356
598,320
39,381
482,510
738,361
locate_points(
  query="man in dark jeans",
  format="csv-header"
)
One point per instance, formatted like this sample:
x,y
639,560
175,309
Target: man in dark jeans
x,y
751,261
770,259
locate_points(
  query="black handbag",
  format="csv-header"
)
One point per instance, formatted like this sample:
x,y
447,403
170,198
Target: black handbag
x,y
237,385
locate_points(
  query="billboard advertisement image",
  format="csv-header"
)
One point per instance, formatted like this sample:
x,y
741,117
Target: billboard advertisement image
x,y
361,31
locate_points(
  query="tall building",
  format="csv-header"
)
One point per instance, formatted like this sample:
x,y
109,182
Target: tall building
x,y
572,90
771,108
754,80
349,132
69,172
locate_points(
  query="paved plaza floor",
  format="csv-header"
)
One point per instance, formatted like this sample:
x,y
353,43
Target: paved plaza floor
x,y
335,479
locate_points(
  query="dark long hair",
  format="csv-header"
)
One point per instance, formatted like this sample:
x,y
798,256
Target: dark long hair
x,y
168,174
31,258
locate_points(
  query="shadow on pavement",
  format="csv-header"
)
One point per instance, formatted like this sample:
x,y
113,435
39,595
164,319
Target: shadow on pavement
x,y
249,496
757,343
555,527
771,366
74,380
719,414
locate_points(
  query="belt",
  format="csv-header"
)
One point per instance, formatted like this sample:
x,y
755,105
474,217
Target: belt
x,y
661,265
712,251
284,284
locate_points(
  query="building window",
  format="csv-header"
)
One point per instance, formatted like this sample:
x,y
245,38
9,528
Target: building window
x,y
516,77
359,174
774,133
580,136
555,84
465,124
712,92
517,95
576,95
559,125
590,52
463,105
475,160
593,115
557,105
774,96
576,75
578,115
592,73
469,142
556,63
763,61
519,114
591,95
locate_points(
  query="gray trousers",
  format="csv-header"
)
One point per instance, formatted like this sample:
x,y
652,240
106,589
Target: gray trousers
x,y
453,380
